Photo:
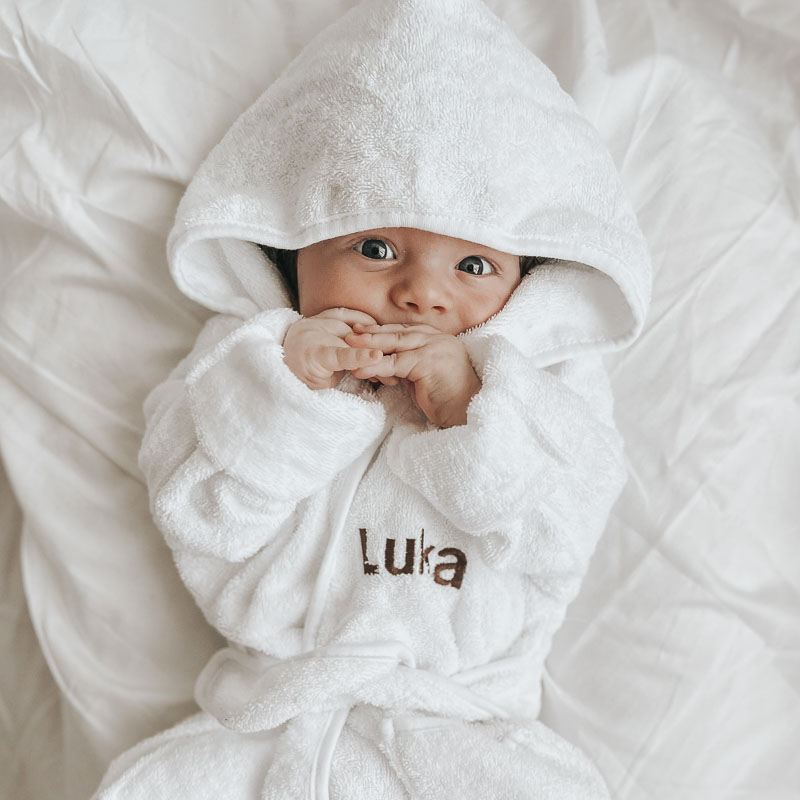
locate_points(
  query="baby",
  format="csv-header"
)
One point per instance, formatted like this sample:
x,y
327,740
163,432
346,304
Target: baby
x,y
385,464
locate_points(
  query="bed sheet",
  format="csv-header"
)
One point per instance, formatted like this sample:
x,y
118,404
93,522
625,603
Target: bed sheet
x,y
678,668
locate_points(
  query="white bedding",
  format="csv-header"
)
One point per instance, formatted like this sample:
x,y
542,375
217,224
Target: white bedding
x,y
678,669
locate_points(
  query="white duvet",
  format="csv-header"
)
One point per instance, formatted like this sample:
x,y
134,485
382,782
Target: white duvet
x,y
677,669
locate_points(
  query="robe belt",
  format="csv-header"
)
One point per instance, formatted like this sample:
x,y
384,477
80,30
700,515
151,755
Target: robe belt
x,y
249,691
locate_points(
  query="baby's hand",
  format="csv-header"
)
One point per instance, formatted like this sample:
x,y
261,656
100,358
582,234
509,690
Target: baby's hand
x,y
315,350
433,365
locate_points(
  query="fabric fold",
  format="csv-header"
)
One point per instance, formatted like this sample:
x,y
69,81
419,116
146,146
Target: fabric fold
x,y
251,692
488,759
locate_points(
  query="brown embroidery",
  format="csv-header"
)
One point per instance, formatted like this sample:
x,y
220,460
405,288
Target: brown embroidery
x,y
424,552
408,567
458,566
369,569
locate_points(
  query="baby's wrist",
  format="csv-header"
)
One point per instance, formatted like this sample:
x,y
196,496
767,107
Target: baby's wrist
x,y
454,412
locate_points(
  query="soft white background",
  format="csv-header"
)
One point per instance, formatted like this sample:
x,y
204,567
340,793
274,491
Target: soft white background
x,y
678,669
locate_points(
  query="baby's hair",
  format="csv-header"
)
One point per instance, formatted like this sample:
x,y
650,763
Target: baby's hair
x,y
286,262
527,263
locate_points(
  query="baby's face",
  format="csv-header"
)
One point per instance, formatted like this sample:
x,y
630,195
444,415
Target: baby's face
x,y
405,275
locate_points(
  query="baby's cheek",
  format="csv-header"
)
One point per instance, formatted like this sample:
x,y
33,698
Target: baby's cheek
x,y
478,312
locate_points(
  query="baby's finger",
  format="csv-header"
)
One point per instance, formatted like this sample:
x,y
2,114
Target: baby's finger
x,y
393,327
390,342
393,365
336,359
351,316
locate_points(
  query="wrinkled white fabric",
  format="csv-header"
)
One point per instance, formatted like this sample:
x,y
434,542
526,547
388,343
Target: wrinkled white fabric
x,y
389,589
675,668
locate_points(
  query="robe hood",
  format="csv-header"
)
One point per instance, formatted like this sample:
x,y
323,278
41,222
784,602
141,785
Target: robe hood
x,y
429,114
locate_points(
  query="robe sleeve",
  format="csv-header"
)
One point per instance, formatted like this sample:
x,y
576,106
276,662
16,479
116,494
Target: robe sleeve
x,y
535,470
234,440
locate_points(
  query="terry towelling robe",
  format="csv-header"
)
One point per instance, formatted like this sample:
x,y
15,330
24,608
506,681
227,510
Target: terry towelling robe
x,y
389,590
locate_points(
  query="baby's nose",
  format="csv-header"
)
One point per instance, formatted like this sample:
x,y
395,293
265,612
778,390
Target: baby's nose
x,y
422,289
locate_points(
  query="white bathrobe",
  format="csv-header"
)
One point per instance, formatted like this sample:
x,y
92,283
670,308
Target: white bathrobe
x,y
389,590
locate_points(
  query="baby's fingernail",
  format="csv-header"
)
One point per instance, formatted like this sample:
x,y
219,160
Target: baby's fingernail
x,y
375,354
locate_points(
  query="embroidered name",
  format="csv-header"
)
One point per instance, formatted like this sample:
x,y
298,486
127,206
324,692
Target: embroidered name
x,y
445,573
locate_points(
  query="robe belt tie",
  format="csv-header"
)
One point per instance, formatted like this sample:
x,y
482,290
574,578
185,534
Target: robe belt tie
x,y
249,691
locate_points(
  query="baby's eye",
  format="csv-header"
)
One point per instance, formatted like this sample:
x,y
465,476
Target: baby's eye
x,y
375,248
475,265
